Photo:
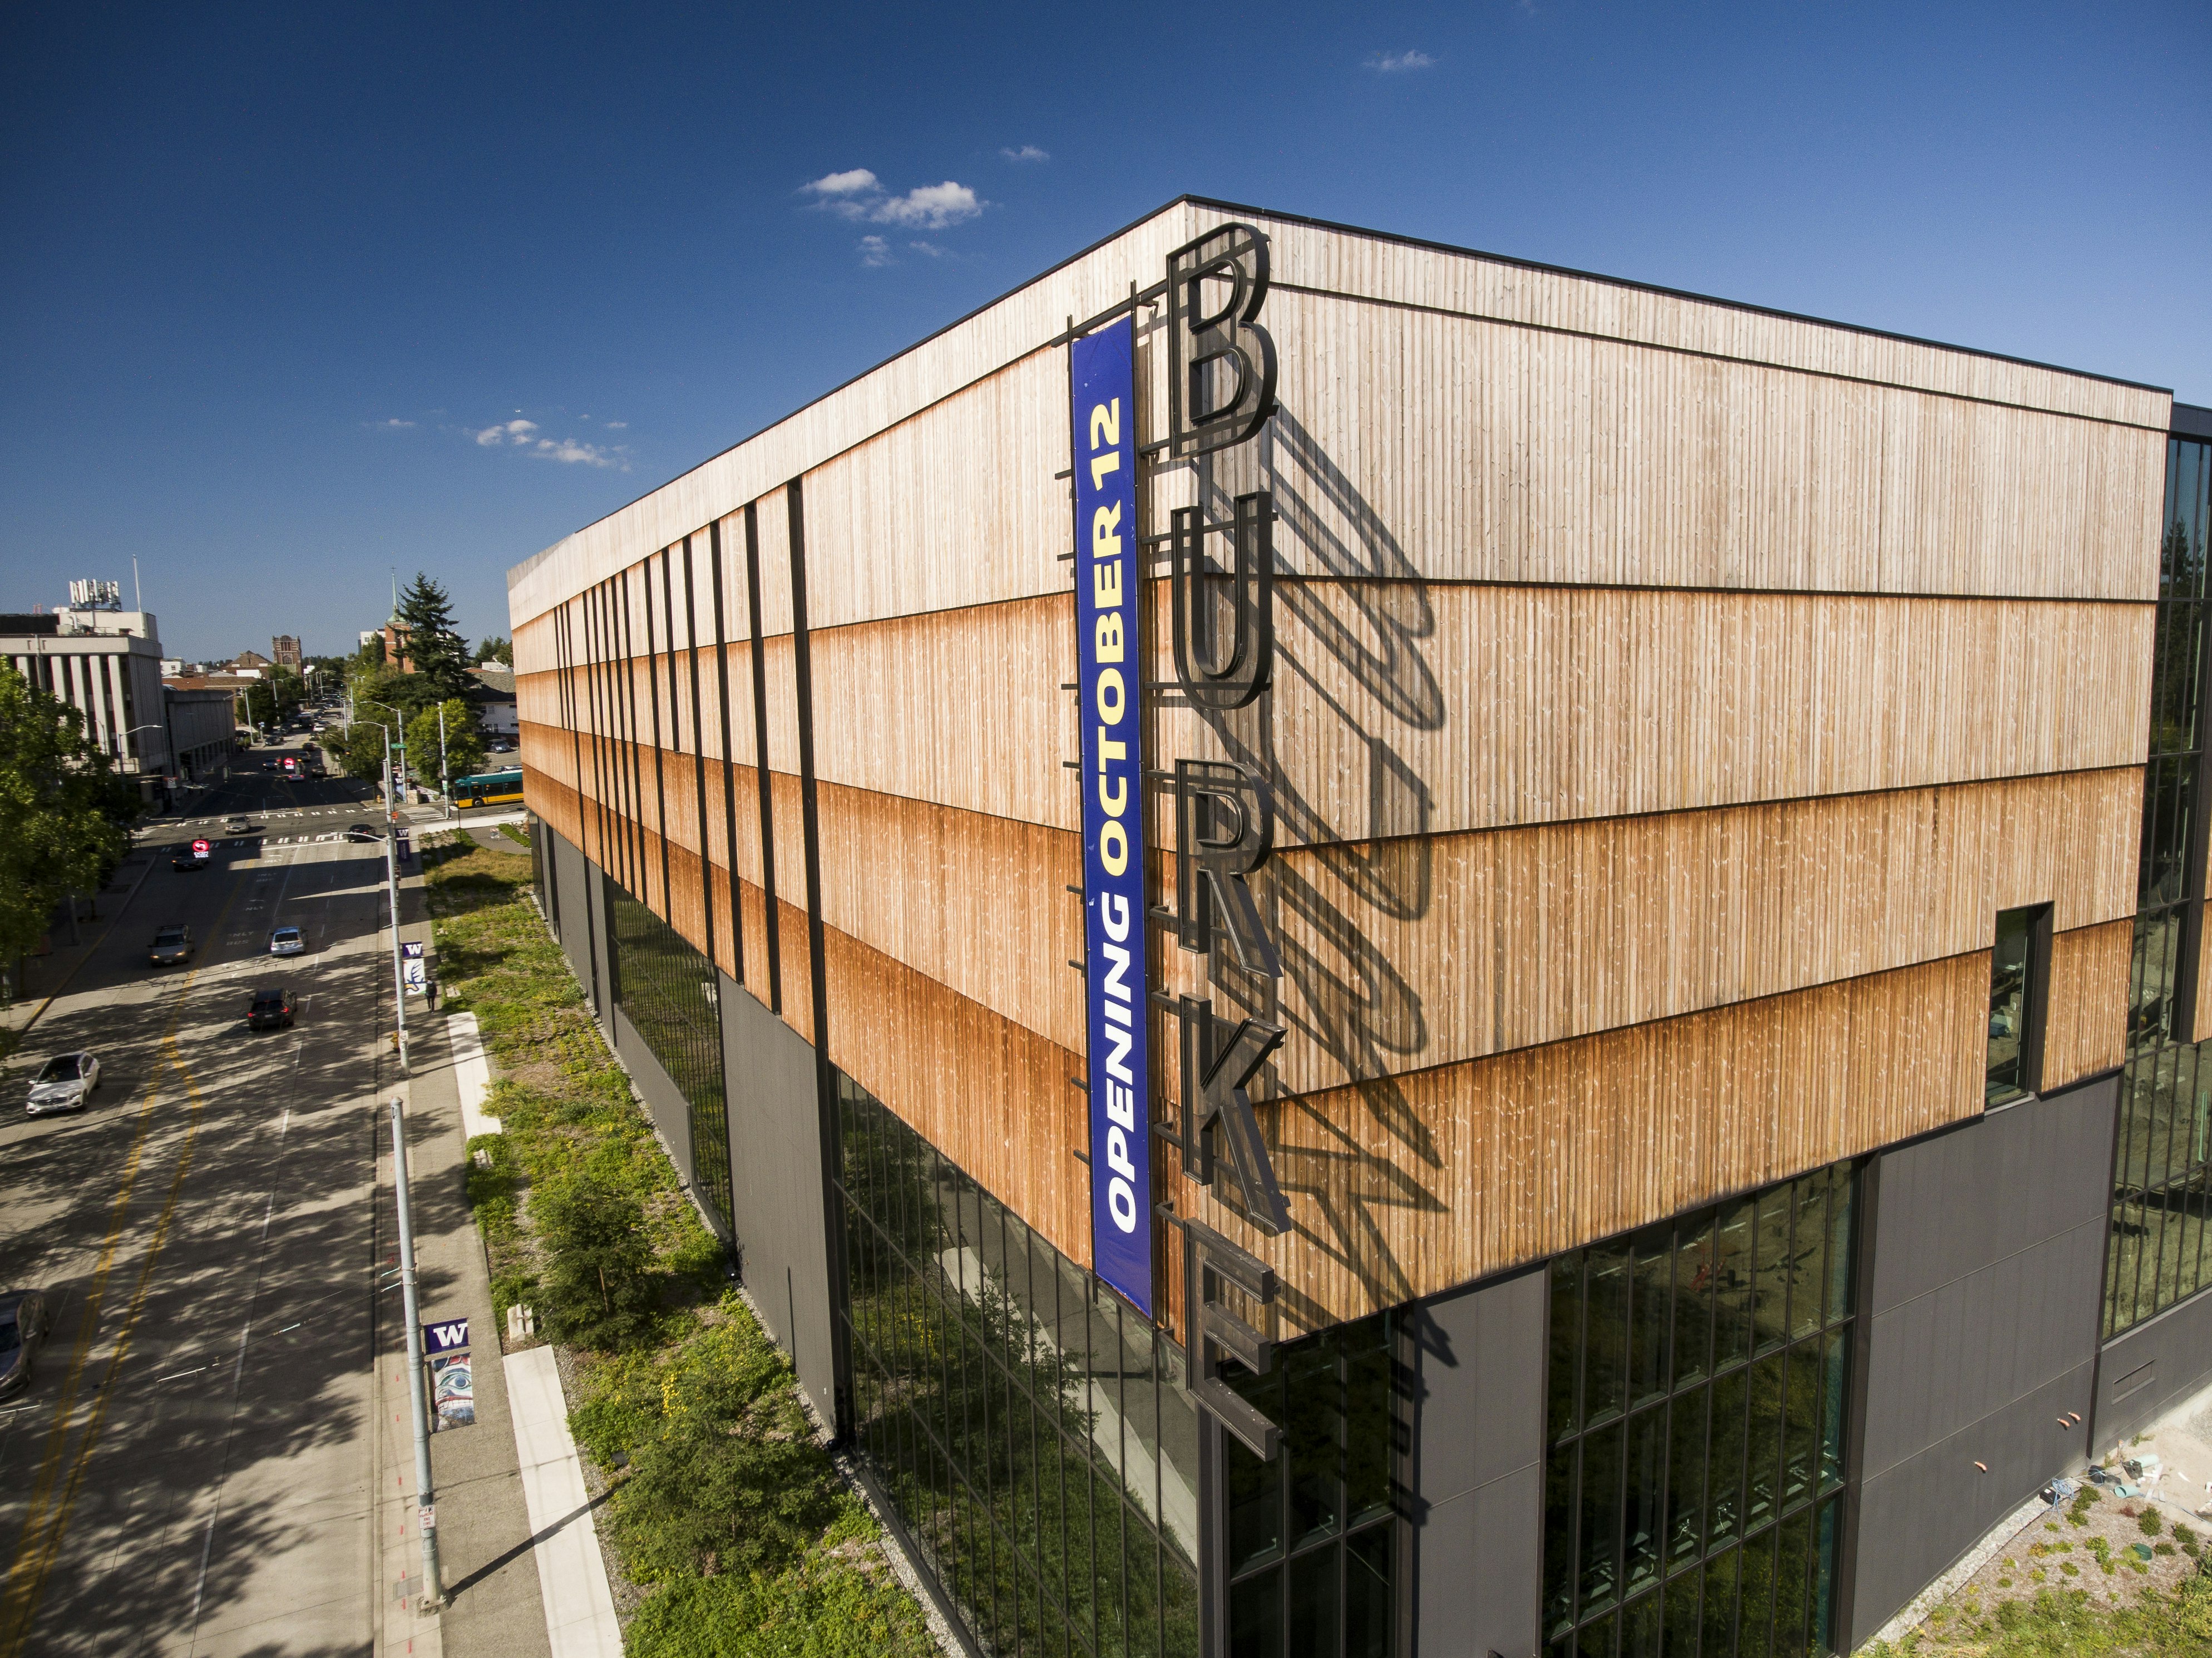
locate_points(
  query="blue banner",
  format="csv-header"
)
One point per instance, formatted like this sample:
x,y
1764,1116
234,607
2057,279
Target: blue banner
x,y
1108,585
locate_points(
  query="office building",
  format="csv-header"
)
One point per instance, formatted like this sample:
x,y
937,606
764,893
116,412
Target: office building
x,y
1374,948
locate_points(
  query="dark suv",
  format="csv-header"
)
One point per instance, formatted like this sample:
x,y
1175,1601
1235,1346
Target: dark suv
x,y
272,1010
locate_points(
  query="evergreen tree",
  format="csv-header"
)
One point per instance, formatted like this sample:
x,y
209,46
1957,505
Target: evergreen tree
x,y
501,651
439,654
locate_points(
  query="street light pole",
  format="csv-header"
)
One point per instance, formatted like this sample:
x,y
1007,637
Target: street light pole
x,y
445,785
392,884
426,1513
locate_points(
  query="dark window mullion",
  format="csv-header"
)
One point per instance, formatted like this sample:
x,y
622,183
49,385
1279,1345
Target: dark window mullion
x,y
729,787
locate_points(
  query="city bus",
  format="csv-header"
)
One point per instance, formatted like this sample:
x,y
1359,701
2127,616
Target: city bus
x,y
491,788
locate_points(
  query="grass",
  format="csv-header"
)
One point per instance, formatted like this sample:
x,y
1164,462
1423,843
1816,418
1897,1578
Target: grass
x,y
725,1509
2064,1620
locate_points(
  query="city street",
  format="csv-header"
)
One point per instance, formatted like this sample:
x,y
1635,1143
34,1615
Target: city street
x,y
191,1469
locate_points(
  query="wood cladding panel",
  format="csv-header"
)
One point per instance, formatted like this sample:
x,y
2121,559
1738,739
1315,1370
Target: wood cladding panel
x,y
989,524
1510,299
975,902
2202,1027
1339,262
2086,1022
1407,954
1403,710
1403,955
1411,954
1448,448
1405,1188
988,1093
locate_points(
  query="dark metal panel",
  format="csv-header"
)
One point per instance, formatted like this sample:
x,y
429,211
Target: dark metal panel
x,y
810,821
1919,1518
653,695
729,786
773,931
1983,1246
698,747
1475,1475
664,1101
2152,1368
777,1185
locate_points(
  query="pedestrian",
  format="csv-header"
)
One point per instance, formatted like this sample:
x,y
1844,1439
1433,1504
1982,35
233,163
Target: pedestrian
x,y
430,990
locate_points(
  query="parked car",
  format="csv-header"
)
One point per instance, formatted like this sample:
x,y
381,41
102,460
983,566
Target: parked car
x,y
272,1009
24,1322
172,946
287,941
65,1084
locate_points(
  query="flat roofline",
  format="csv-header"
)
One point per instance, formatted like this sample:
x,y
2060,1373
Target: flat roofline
x,y
2190,421
1191,199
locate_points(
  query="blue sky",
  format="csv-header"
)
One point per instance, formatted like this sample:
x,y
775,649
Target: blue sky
x,y
271,277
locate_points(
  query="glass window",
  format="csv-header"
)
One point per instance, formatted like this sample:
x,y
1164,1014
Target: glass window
x,y
2161,1171
1030,1427
667,991
1701,1522
1327,1586
2016,1005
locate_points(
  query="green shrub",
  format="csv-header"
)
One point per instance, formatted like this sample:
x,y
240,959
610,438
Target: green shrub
x,y
2149,1525
597,1279
814,1611
725,1475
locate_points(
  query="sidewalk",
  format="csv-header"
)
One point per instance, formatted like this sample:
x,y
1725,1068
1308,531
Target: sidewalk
x,y
489,1570
519,1553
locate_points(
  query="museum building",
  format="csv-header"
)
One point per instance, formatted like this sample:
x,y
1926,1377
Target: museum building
x,y
1371,950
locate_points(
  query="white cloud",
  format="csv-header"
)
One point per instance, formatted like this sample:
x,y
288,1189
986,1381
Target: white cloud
x,y
1393,62
856,182
875,252
932,249
1026,153
858,195
616,425
570,452
928,207
514,431
393,425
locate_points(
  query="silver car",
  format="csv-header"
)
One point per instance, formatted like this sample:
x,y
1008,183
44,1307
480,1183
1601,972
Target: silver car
x,y
66,1084
287,941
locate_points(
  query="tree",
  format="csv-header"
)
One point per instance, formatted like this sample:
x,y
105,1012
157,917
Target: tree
x,y
275,697
63,811
597,1285
439,654
464,748
501,651
360,751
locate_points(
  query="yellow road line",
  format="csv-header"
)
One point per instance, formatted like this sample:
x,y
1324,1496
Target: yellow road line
x,y
25,1596
35,1547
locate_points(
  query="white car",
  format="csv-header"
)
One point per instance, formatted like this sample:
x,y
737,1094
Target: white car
x,y
287,941
66,1084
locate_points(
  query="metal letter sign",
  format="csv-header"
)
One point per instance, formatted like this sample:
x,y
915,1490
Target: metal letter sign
x,y
1109,586
1221,366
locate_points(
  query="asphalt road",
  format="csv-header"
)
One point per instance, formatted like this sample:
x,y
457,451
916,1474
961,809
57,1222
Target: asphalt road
x,y
190,1470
